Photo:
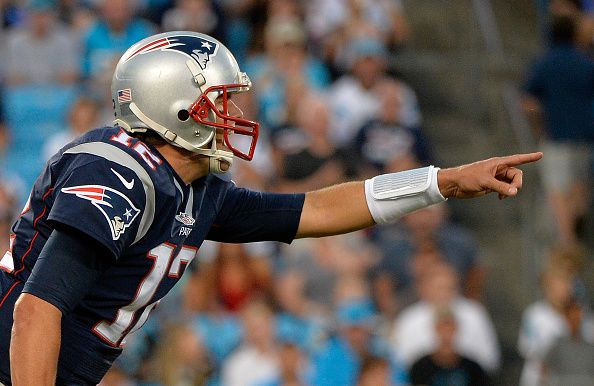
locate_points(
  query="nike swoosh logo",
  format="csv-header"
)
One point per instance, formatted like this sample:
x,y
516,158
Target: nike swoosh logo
x,y
128,184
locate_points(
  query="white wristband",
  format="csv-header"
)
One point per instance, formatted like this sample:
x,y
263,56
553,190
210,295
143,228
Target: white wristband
x,y
391,196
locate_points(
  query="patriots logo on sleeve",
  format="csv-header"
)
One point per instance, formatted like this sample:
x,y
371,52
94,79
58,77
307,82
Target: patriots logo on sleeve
x,y
198,49
117,209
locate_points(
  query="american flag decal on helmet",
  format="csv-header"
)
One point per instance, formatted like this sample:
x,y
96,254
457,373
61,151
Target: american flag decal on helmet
x,y
125,96
198,49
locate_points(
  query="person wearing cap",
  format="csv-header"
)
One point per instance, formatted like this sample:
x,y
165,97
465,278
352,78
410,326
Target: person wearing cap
x,y
354,96
339,362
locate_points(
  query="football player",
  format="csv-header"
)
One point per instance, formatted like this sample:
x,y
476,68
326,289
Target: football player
x,y
118,214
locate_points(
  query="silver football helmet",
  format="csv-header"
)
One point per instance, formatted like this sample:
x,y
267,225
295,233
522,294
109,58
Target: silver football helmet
x,y
169,83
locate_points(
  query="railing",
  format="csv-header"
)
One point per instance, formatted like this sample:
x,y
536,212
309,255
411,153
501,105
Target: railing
x,y
531,248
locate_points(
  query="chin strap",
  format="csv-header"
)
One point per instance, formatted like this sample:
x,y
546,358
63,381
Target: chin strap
x,y
216,156
215,163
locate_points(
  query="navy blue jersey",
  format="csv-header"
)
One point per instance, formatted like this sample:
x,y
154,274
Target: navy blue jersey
x,y
122,193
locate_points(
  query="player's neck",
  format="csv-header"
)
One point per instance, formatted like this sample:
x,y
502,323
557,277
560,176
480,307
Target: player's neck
x,y
187,165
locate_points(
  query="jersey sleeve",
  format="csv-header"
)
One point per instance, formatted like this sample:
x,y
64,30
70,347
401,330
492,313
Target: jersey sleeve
x,y
102,199
247,216
64,288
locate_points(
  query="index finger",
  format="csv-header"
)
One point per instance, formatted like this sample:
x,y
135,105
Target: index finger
x,y
520,159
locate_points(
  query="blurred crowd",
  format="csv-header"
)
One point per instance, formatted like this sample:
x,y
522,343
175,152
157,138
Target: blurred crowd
x,y
396,305
555,336
559,93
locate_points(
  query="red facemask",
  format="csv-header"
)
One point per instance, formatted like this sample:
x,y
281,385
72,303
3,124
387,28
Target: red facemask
x,y
200,112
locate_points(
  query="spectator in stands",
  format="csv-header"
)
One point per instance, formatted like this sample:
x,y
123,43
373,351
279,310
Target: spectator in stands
x,y
83,117
543,321
445,365
272,12
220,331
384,144
224,282
41,39
76,14
108,38
414,333
307,158
578,10
235,277
375,371
339,363
299,320
559,97
573,260
287,9
333,265
333,24
424,238
182,358
317,267
284,72
256,361
570,361
387,301
192,15
293,366
354,97
40,73
241,21
353,256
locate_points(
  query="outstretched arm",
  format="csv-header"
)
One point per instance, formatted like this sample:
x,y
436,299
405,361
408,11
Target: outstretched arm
x,y
344,208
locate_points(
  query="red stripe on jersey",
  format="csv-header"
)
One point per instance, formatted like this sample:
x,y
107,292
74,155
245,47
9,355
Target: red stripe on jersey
x,y
35,235
9,291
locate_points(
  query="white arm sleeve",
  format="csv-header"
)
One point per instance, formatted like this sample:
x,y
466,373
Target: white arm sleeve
x,y
391,196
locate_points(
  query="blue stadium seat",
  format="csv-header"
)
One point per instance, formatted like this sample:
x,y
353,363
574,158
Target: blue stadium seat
x,y
32,114
33,109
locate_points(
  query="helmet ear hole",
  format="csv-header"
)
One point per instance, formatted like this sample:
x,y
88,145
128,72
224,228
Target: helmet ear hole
x,y
183,115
